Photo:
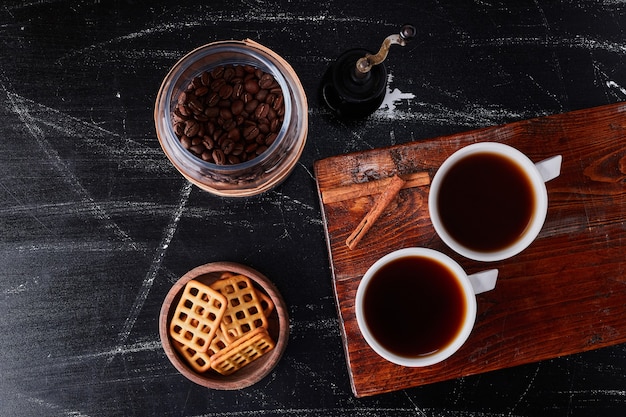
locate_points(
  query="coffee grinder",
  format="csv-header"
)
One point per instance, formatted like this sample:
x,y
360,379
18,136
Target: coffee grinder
x,y
354,86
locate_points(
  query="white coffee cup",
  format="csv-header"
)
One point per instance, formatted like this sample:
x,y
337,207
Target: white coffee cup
x,y
420,306
488,216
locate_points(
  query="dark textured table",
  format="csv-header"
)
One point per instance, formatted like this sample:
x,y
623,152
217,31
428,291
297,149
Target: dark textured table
x,y
96,225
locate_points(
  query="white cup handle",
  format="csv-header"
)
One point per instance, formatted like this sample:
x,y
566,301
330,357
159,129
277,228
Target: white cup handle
x,y
550,168
483,281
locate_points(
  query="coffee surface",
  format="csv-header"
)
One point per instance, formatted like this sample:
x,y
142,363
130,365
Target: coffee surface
x,y
486,202
414,306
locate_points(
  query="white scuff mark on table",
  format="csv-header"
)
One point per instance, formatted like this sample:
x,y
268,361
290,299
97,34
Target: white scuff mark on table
x,y
603,78
28,120
597,392
420,412
137,347
392,97
527,390
613,84
155,266
51,406
471,115
20,288
124,150
200,19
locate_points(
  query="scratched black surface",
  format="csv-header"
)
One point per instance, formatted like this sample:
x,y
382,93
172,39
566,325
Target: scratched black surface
x,y
96,224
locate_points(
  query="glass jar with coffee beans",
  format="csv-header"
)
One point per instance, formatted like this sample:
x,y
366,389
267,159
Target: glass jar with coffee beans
x,y
232,118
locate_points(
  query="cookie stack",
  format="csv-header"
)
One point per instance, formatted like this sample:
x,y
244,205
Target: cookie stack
x,y
222,326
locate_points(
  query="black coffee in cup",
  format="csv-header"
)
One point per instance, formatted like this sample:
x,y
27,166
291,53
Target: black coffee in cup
x,y
486,201
414,306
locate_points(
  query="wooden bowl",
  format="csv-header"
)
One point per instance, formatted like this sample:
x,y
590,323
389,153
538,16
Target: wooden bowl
x,y
278,328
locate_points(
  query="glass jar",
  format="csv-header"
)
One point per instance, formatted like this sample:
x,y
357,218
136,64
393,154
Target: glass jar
x,y
256,175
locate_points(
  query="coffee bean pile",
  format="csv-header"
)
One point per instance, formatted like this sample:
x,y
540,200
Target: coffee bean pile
x,y
230,114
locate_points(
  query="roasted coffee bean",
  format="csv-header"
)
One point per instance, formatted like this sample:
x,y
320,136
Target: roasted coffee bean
x,y
201,91
229,124
191,128
185,141
270,138
184,111
212,112
264,127
201,117
252,86
197,149
251,147
270,98
226,91
206,156
225,113
208,142
261,110
217,72
218,83
229,73
228,146
251,106
195,106
214,98
234,134
250,133
179,129
262,95
210,128
229,114
178,117
196,82
237,107
278,102
266,81
238,148
218,156
205,77
238,90
275,125
221,139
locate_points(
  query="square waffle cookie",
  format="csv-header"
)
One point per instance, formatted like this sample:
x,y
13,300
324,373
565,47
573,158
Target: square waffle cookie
x,y
245,310
197,316
200,362
246,349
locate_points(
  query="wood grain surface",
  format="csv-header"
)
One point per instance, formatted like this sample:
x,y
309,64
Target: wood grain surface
x,y
564,294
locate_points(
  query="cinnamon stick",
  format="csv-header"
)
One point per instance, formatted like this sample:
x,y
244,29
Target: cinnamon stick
x,y
347,192
393,188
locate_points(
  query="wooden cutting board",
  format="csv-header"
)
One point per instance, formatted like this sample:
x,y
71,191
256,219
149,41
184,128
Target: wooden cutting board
x,y
564,294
